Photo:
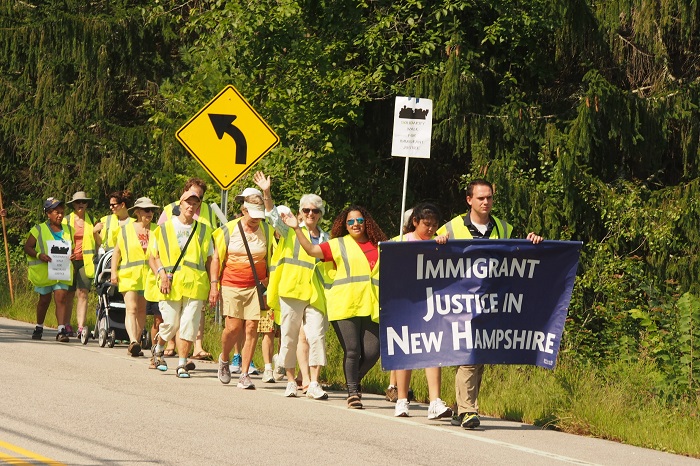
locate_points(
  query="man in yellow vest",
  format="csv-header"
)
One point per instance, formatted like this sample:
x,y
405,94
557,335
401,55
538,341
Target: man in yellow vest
x,y
203,214
182,257
84,250
48,242
477,223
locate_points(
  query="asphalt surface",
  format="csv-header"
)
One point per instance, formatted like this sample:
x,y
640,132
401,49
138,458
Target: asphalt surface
x,y
85,405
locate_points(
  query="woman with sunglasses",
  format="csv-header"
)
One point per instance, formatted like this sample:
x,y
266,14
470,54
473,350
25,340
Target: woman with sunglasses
x,y
351,300
85,245
130,270
119,202
290,290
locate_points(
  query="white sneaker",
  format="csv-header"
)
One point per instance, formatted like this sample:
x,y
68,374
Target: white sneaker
x,y
316,392
438,410
279,370
268,377
401,409
224,373
245,383
291,390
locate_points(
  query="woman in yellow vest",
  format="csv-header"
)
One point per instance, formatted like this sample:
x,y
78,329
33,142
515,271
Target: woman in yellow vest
x,y
290,290
130,269
352,305
86,242
109,225
239,292
49,242
182,257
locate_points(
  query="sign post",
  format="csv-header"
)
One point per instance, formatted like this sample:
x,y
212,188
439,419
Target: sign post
x,y
227,137
413,124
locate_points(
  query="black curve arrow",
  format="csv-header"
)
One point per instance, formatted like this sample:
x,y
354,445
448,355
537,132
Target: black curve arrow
x,y
223,124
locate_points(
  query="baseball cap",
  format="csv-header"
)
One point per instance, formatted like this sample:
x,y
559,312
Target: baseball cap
x,y
51,203
188,194
255,210
248,192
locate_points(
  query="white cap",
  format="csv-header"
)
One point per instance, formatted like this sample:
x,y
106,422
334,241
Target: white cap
x,y
255,210
283,209
248,192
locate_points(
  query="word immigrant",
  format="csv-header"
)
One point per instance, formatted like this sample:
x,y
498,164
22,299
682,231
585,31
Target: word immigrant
x,y
474,302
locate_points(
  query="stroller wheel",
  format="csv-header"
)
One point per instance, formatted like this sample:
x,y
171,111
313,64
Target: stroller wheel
x,y
112,339
102,338
84,336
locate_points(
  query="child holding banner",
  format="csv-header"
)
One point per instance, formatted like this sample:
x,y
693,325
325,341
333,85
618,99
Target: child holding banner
x,y
351,300
421,226
478,223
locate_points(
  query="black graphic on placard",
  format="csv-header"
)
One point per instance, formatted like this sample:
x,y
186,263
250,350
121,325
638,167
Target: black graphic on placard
x,y
223,124
55,249
413,114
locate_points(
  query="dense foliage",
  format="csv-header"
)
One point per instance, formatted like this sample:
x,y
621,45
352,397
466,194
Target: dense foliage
x,y
584,114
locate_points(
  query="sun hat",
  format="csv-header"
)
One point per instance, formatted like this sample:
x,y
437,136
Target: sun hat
x,y
80,196
188,194
144,203
248,192
255,210
51,203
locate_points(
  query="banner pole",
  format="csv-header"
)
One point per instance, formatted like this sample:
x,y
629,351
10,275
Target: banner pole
x,y
403,199
7,253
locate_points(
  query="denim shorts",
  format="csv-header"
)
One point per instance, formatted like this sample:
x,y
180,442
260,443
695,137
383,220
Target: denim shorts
x,y
50,289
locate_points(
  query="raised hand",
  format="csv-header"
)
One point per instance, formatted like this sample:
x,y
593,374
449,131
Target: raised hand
x,y
290,220
262,181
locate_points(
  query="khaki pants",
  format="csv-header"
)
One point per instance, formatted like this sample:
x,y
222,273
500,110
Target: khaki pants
x,y
467,384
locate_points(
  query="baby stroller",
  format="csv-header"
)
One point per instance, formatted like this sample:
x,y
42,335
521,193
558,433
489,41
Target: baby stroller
x,y
111,310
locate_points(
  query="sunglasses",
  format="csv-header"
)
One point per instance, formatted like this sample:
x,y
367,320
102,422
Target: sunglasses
x,y
359,221
149,210
306,210
80,202
112,206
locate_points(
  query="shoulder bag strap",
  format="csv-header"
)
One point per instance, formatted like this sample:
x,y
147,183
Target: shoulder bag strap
x,y
258,284
182,253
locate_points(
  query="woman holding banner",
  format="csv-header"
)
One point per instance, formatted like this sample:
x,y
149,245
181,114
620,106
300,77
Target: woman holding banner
x,y
421,226
351,298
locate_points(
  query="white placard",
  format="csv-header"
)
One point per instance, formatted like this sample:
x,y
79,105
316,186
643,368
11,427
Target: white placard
x,y
413,124
59,267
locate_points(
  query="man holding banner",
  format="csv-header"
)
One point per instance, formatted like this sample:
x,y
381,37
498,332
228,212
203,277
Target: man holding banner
x,y
478,223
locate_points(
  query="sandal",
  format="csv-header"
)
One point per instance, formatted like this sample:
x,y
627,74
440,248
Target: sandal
x,y
159,362
182,372
190,366
202,356
169,353
354,402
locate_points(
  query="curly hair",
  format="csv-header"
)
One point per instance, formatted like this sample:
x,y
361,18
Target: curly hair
x,y
124,196
422,211
196,181
374,232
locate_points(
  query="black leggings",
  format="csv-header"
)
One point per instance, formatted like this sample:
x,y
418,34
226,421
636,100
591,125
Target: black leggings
x,y
359,338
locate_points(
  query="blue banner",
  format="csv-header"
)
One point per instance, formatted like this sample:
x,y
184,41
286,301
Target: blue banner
x,y
474,302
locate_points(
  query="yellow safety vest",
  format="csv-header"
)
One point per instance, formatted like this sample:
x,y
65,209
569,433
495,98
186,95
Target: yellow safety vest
x,y
110,230
38,270
206,215
222,236
291,271
352,291
190,279
134,272
457,230
89,246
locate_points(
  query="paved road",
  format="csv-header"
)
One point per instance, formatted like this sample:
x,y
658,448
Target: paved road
x,y
87,405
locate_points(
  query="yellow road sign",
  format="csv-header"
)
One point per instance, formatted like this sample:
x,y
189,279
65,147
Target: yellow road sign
x,y
227,137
